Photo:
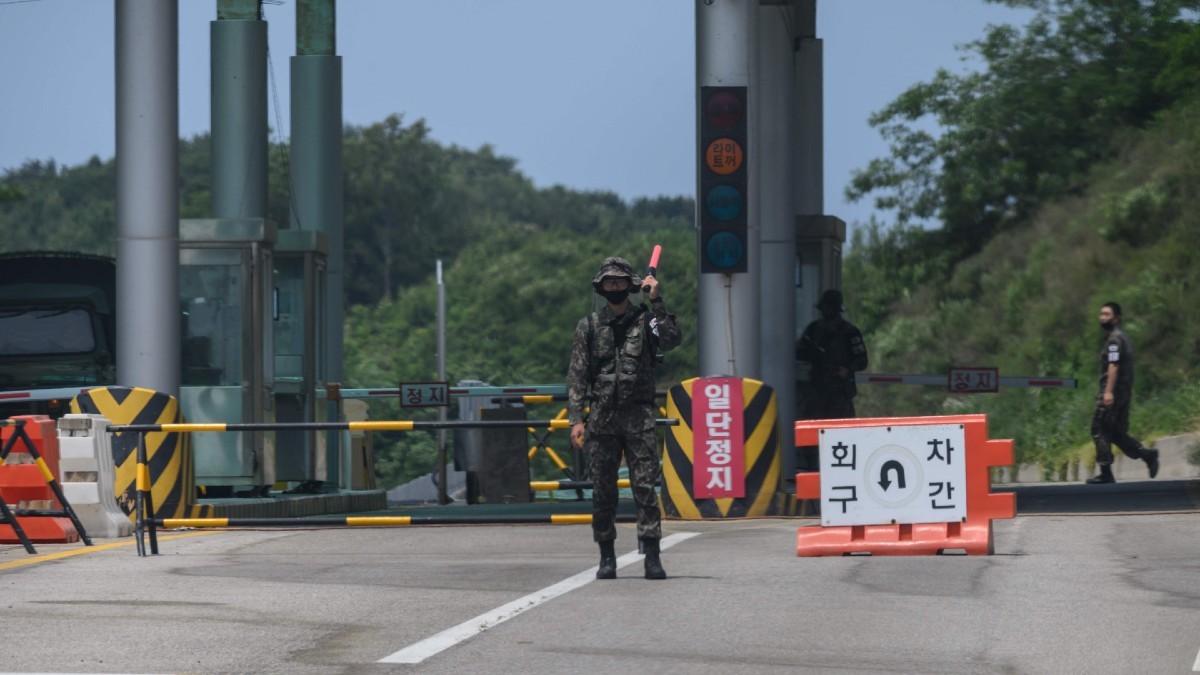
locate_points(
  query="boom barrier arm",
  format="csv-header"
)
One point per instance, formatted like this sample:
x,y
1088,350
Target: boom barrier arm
x,y
146,520
394,425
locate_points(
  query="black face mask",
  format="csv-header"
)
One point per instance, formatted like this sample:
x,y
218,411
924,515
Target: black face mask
x,y
1107,325
615,297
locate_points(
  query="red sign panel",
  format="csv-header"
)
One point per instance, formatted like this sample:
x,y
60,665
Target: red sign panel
x,y
718,452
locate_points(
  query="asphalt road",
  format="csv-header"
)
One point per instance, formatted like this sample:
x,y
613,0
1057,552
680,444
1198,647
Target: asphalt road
x,y
1095,579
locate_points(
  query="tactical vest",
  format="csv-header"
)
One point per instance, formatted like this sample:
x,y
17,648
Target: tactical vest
x,y
622,373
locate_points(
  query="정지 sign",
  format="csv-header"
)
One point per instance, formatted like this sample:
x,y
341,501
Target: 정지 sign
x,y
973,380
424,394
893,474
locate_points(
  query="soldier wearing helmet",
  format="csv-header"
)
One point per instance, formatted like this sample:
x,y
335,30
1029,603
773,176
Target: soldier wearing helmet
x,y
612,371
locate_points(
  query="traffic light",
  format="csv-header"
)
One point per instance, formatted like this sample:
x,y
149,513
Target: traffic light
x,y
724,191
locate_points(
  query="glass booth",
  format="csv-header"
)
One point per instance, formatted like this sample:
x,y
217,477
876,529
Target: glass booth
x,y
300,456
226,294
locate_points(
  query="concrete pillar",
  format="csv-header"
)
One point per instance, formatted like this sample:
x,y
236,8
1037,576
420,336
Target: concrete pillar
x,y
809,120
147,205
239,111
776,53
728,311
316,147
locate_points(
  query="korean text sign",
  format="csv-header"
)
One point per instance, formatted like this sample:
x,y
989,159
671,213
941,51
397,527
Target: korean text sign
x,y
893,474
424,394
974,380
718,452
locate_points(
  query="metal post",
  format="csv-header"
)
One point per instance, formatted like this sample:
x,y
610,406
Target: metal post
x,y
727,55
778,288
317,194
441,359
239,111
145,491
808,158
147,206
809,152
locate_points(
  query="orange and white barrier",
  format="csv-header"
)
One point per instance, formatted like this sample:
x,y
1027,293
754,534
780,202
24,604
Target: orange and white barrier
x,y
89,475
28,474
903,485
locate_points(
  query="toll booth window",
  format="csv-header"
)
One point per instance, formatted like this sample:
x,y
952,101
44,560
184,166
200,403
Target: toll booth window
x,y
211,296
289,321
41,332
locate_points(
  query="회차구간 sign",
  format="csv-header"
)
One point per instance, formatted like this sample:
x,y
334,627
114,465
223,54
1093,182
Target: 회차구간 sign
x,y
893,474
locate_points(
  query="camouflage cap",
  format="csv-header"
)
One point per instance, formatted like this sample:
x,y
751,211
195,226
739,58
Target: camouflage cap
x,y
616,267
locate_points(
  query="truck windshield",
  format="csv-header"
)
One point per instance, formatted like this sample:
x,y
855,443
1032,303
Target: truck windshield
x,y
41,332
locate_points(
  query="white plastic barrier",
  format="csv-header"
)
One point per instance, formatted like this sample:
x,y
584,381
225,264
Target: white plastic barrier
x,y
88,475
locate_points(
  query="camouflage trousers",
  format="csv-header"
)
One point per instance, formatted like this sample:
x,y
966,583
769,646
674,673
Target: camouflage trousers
x,y
642,458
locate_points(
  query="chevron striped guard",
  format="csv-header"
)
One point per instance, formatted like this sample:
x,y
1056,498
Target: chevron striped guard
x,y
762,461
168,454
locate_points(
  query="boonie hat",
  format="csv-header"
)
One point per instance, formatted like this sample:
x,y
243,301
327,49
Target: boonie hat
x,y
616,267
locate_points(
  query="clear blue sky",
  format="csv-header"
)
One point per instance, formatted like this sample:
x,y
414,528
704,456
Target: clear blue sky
x,y
591,95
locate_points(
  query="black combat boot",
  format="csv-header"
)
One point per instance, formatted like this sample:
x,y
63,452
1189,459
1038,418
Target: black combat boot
x,y
654,568
608,561
1104,477
1151,457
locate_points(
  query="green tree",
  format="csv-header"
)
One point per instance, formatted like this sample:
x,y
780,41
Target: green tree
x,y
1028,125
403,208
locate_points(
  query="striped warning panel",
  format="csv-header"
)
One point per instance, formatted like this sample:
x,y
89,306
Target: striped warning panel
x,y
762,462
167,454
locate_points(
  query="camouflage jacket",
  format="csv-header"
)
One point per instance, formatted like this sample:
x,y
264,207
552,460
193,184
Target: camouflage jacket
x,y
612,366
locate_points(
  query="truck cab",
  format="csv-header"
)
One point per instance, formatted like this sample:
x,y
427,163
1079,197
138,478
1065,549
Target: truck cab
x,y
57,329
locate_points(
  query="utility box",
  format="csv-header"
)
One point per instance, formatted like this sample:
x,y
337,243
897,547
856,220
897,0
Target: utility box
x,y
501,475
496,460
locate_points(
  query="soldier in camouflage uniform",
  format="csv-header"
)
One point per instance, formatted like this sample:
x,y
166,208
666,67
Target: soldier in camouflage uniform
x,y
836,350
612,368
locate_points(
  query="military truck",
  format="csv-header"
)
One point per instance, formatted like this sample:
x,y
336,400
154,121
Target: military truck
x,y
57,329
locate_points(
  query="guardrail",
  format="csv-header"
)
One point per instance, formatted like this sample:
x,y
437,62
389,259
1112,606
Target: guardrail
x,y
147,522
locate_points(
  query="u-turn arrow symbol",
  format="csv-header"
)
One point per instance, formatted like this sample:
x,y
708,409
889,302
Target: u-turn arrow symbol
x,y
887,468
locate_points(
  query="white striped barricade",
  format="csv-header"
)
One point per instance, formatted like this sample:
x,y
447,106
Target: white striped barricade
x,y
89,476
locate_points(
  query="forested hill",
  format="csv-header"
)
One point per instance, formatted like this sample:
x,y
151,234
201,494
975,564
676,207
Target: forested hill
x,y
518,260
1066,176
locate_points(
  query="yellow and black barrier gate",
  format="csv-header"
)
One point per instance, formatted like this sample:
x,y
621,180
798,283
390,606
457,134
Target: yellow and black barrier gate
x,y
722,460
147,522
9,516
389,521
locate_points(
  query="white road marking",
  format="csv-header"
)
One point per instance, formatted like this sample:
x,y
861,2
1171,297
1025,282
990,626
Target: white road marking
x,y
1196,665
419,651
